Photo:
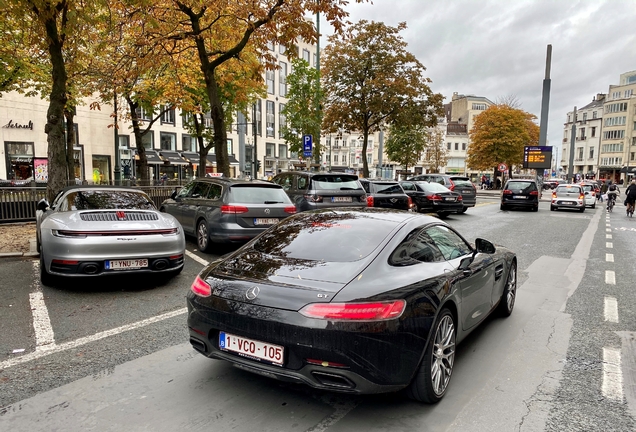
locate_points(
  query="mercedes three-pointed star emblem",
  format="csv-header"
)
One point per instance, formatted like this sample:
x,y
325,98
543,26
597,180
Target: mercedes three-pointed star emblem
x,y
252,293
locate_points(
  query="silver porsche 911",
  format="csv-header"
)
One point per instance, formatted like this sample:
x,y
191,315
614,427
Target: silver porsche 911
x,y
101,230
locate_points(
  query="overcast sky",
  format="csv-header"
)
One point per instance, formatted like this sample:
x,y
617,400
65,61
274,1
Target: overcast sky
x,y
496,48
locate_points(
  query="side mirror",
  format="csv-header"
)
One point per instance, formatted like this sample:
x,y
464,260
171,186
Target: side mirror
x,y
43,205
465,262
484,246
173,195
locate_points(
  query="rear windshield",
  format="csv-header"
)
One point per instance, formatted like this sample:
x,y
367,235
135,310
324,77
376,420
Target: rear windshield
x,y
324,237
258,195
521,186
567,189
588,188
433,187
343,182
105,199
387,188
461,181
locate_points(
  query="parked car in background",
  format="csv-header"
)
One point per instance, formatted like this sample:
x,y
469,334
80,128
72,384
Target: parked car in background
x,y
224,210
105,230
568,196
520,193
592,191
386,194
311,191
455,183
433,197
552,183
351,300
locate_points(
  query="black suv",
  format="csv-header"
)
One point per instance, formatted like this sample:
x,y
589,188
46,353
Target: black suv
x,y
386,194
520,193
311,191
455,183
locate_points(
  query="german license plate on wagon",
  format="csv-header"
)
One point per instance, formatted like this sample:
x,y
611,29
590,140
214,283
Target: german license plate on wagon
x,y
265,221
251,348
126,264
340,199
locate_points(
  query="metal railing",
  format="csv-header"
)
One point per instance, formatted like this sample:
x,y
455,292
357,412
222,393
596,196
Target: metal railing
x,y
18,204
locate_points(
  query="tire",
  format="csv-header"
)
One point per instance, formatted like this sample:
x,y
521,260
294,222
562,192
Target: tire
x,y
433,376
442,215
417,208
535,208
502,207
552,208
593,205
463,210
38,246
203,237
46,278
509,295
582,209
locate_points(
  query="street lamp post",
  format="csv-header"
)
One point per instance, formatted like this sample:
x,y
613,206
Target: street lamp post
x,y
117,170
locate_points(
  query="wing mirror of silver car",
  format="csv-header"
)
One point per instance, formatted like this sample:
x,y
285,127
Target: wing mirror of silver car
x,y
43,205
484,246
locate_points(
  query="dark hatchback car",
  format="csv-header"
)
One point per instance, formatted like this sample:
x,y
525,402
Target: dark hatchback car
x,y
433,197
386,194
351,300
520,194
220,210
311,191
455,183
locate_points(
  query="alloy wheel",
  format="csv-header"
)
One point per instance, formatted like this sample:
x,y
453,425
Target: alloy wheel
x,y
202,236
511,288
443,355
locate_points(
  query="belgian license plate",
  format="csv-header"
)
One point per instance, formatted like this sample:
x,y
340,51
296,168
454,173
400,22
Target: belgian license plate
x,y
126,264
340,199
251,348
265,221
569,203
449,199
518,197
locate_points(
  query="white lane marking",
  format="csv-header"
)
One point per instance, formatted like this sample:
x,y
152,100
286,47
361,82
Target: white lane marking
x,y
44,336
608,236
609,245
196,258
608,229
88,339
609,257
341,410
610,277
608,225
611,309
612,374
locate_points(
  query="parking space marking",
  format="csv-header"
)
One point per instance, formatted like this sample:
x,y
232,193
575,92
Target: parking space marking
x,y
610,277
609,245
196,258
608,229
609,257
612,374
88,339
608,236
44,336
611,309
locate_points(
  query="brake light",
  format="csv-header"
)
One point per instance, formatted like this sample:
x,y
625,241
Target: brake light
x,y
290,209
507,192
410,202
201,287
65,262
232,209
460,198
534,193
373,311
369,201
434,197
581,197
325,363
452,186
313,198
553,194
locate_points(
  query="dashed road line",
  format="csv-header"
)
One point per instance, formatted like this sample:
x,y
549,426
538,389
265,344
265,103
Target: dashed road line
x,y
611,309
608,236
610,277
612,375
197,258
609,257
609,245
608,229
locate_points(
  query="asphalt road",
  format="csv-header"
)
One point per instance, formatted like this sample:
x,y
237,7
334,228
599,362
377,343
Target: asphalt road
x,y
115,355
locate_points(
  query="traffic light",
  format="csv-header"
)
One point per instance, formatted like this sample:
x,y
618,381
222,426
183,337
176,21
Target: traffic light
x,y
258,166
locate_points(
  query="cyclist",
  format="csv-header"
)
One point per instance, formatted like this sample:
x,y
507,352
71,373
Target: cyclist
x,y
612,192
630,197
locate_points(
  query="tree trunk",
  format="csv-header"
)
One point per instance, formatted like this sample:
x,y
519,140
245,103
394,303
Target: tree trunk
x,y
365,142
54,129
218,121
141,150
69,114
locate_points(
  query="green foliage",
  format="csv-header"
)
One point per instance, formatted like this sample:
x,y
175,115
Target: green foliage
x,y
301,111
405,145
436,154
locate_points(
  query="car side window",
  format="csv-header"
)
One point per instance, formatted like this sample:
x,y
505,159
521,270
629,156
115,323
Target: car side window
x,y
448,242
302,182
215,191
185,190
200,190
438,179
408,186
424,249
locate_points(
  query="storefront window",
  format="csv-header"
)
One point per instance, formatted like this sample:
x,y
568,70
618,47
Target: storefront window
x,y
19,160
101,169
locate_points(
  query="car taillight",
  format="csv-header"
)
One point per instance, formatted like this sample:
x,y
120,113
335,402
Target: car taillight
x,y
460,198
369,201
201,287
581,197
290,209
507,192
233,209
434,197
313,198
534,193
410,202
553,194
373,311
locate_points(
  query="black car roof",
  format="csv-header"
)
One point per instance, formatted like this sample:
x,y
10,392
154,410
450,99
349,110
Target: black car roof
x,y
311,174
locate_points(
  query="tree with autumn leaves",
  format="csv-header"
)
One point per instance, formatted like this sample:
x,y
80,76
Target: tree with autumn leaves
x,y
499,135
371,81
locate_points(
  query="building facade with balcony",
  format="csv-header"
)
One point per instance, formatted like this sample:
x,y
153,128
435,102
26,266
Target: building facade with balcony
x,y
586,147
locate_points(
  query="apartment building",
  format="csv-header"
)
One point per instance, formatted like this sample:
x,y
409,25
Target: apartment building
x,y
589,126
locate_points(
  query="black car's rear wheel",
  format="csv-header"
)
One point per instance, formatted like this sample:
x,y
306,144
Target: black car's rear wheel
x,y
463,210
442,215
203,238
432,378
509,295
502,207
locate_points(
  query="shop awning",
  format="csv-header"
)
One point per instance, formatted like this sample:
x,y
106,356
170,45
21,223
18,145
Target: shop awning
x,y
191,157
173,158
630,170
212,159
152,157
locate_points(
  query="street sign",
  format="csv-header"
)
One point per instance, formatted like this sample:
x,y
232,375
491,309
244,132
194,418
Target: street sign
x,y
537,157
308,145
502,167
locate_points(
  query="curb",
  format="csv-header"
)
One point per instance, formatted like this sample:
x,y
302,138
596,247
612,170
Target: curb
x,y
31,254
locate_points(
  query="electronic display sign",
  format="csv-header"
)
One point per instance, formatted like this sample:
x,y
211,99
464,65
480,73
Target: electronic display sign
x,y
537,157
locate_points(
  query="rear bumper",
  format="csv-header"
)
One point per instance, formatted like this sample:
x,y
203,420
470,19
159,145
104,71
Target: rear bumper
x,y
511,202
573,204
